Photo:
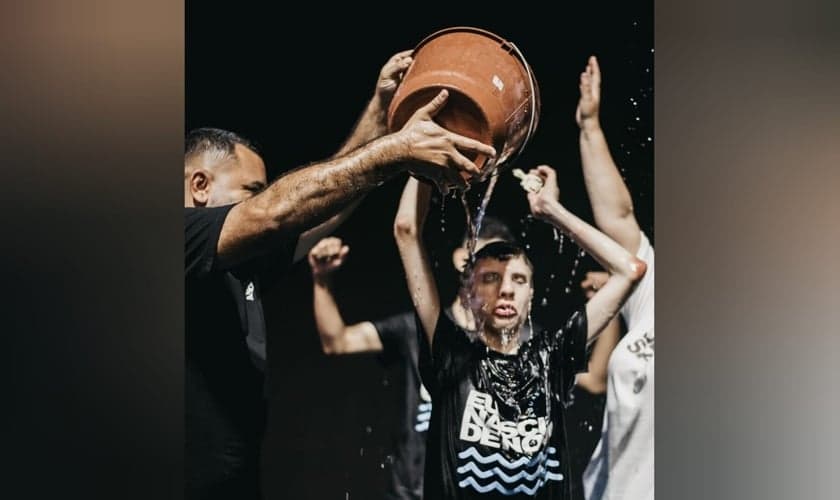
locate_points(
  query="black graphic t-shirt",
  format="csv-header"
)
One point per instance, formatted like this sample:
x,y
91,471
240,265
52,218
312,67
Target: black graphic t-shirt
x,y
225,353
399,341
497,428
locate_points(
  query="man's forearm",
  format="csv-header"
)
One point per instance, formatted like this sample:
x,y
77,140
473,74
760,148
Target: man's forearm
x,y
307,197
310,195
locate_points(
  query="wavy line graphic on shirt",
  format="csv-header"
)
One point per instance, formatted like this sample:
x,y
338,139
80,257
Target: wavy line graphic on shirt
x,y
495,485
424,414
471,452
541,472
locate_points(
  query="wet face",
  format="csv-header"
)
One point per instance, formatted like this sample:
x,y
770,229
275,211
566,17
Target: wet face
x,y
501,293
223,180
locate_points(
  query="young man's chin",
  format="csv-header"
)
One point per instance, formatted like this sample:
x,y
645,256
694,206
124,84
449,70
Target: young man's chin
x,y
500,325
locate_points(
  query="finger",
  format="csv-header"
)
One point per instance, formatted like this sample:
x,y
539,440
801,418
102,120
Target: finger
x,y
547,172
596,71
536,171
472,146
435,105
464,163
343,252
395,67
401,54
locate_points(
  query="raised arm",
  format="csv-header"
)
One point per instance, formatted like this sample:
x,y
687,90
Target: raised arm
x,y
308,196
612,205
594,380
325,258
374,120
408,231
373,124
624,268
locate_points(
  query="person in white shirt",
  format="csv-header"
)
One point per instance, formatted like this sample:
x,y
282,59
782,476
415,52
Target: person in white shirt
x,y
622,465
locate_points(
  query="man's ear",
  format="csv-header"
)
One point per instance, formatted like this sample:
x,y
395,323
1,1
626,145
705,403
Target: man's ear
x,y
200,187
459,258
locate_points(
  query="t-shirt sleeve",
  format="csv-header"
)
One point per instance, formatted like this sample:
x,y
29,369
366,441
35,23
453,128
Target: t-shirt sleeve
x,y
202,227
441,362
396,334
639,306
275,265
568,354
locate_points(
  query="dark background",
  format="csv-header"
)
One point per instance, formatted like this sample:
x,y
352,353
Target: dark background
x,y
296,84
747,244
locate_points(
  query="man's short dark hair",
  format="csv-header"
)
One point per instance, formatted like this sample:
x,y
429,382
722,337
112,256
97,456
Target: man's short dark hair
x,y
205,139
492,228
499,250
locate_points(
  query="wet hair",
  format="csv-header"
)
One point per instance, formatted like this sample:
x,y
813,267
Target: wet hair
x,y
205,139
499,250
492,228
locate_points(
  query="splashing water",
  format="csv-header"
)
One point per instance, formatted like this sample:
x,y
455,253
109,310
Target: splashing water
x,y
581,253
474,224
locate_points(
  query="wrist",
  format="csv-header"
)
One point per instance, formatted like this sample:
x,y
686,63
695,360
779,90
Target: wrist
x,y
590,125
378,107
322,279
396,148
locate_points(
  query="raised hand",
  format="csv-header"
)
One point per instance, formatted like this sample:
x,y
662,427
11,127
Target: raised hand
x,y
327,256
541,201
429,143
390,77
590,94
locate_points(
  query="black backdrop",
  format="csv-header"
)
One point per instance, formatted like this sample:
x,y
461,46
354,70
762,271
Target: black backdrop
x,y
296,83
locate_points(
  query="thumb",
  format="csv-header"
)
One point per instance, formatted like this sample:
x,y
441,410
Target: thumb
x,y
435,105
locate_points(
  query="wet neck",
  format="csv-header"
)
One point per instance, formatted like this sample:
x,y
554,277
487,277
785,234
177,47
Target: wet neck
x,y
499,342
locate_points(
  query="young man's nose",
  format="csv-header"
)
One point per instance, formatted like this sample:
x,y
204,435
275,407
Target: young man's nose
x,y
507,288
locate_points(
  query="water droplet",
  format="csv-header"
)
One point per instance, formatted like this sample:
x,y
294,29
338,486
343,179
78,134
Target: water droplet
x,y
568,290
361,452
544,302
368,429
649,139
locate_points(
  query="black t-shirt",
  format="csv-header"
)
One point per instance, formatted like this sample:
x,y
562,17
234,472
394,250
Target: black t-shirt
x,y
399,342
497,427
225,352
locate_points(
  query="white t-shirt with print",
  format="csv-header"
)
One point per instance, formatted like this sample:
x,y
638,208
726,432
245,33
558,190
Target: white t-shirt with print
x,y
621,467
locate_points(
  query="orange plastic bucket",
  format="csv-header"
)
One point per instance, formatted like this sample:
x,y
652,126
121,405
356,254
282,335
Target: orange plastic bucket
x,y
493,94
